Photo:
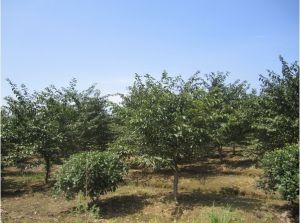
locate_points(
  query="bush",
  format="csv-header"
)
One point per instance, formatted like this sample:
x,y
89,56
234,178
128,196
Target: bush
x,y
93,173
281,171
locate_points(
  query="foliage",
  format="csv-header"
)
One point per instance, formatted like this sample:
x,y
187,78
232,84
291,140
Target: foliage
x,y
216,108
158,112
52,123
39,121
277,109
222,108
239,120
16,116
94,173
281,171
92,125
151,162
126,142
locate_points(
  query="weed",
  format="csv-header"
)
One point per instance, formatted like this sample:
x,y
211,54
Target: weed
x,y
221,216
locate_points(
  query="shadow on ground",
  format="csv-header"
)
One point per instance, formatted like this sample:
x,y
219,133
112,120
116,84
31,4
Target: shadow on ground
x,y
119,206
15,188
202,169
198,170
189,200
18,173
246,163
292,210
11,188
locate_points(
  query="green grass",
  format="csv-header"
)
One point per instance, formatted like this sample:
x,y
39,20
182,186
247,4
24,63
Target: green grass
x,y
224,215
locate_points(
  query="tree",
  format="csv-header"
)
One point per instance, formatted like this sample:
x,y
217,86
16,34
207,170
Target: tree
x,y
223,106
34,127
92,127
53,123
239,123
215,109
49,128
277,111
16,116
159,113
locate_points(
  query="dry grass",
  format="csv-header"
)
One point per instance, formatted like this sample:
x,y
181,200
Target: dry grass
x,y
206,187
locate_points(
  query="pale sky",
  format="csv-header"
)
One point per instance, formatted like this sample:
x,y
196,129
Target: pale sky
x,y
106,42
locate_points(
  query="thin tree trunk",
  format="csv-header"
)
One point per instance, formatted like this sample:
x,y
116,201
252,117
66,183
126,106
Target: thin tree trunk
x,y
86,178
175,183
220,150
233,149
47,169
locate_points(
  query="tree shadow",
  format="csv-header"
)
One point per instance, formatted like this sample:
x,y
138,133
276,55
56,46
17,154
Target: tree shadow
x,y
42,187
14,188
195,171
202,170
191,199
11,188
122,205
292,209
18,173
199,170
246,163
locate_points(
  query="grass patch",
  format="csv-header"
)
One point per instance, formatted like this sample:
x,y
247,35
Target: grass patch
x,y
223,215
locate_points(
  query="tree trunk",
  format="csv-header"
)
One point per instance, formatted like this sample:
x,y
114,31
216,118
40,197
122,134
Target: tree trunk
x,y
47,169
233,149
86,178
175,183
220,150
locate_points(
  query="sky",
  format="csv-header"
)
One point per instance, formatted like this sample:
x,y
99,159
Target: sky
x,y
47,42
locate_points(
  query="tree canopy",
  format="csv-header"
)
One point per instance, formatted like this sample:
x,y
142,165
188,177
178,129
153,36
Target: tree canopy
x,y
277,108
52,124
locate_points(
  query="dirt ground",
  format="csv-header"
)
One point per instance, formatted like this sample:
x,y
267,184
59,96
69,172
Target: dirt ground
x,y
206,188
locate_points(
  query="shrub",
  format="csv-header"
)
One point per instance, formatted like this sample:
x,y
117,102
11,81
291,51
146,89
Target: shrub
x,y
281,171
93,173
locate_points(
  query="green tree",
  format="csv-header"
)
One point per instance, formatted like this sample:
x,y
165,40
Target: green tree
x,y
223,106
53,123
34,127
16,116
239,123
216,108
93,123
49,128
158,112
277,110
